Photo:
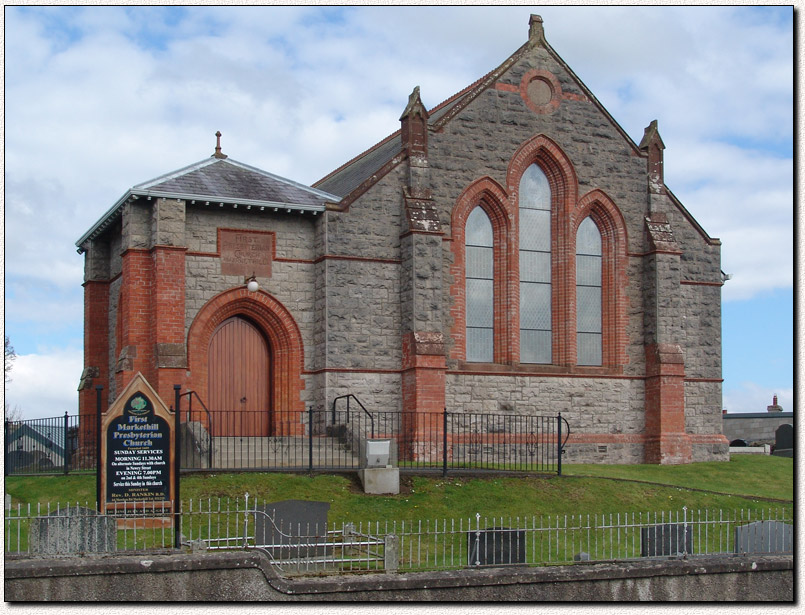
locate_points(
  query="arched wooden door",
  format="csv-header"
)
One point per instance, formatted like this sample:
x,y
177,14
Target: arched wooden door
x,y
239,380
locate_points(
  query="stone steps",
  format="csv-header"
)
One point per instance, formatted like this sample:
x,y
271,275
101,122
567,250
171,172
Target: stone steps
x,y
284,452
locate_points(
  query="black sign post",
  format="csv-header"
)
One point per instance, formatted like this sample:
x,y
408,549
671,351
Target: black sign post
x,y
177,464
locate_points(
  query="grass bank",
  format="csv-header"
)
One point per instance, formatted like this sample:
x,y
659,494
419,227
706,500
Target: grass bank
x,y
747,482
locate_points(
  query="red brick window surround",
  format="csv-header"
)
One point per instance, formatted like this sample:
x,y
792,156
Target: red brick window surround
x,y
491,198
598,208
556,270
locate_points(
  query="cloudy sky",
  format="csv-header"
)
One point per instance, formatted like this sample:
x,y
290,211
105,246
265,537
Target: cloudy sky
x,y
98,99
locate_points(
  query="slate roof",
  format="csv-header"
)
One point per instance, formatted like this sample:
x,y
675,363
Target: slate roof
x,y
220,180
348,177
49,436
228,180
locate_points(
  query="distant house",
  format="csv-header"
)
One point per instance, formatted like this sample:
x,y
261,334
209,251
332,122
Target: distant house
x,y
755,428
34,447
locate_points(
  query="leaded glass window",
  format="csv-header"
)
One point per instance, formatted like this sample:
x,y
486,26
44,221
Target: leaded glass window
x,y
588,293
479,286
535,267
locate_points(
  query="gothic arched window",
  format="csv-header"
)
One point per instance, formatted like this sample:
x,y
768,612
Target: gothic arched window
x,y
588,293
535,267
479,279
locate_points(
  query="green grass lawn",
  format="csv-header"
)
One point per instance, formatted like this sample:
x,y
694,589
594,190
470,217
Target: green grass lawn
x,y
746,482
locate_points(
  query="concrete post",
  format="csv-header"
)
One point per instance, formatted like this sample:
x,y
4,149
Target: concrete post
x,y
391,556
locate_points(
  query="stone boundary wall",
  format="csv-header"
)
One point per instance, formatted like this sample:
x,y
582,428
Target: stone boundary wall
x,y
755,426
248,576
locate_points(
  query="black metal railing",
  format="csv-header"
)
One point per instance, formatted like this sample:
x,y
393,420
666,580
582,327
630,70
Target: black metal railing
x,y
313,439
52,445
334,439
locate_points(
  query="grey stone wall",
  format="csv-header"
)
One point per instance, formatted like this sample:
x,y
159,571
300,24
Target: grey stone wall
x,y
702,332
609,407
372,225
248,576
421,292
168,222
291,283
755,426
136,225
379,392
363,315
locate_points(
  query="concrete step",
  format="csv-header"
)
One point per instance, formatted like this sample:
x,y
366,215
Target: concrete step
x,y
255,452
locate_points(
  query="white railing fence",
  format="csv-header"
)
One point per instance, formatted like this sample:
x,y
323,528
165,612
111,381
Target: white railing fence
x,y
392,546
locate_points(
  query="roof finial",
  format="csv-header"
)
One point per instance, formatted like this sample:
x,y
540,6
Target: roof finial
x,y
218,153
536,31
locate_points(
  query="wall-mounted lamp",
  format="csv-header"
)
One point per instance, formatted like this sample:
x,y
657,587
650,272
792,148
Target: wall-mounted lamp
x,y
251,284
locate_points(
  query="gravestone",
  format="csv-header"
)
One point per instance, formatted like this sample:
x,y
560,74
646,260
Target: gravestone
x,y
195,444
764,537
292,528
784,441
495,546
665,539
72,531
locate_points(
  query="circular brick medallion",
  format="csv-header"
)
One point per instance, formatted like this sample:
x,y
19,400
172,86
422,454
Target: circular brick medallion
x,y
540,90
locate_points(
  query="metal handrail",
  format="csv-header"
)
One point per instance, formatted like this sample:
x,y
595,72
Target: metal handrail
x,y
365,411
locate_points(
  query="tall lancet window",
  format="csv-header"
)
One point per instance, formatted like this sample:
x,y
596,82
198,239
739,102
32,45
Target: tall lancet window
x,y
535,267
588,293
479,286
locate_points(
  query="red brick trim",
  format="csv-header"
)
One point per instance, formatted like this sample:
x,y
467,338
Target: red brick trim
x,y
542,371
493,199
134,327
507,87
606,438
274,320
364,259
96,354
350,370
420,232
666,440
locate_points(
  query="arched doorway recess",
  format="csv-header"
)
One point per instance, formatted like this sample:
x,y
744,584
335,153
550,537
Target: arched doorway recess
x,y
247,318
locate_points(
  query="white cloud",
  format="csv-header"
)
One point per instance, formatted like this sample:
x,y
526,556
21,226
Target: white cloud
x,y
98,99
45,385
752,397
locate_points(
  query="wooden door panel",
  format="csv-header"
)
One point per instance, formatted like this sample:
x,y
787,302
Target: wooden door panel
x,y
239,382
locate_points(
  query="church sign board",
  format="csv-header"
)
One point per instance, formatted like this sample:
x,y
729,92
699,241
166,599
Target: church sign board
x,y
137,448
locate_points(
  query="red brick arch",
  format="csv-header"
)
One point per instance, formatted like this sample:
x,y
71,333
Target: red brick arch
x,y
284,339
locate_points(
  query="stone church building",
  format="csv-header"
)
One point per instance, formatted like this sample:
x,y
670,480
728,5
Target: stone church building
x,y
511,251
